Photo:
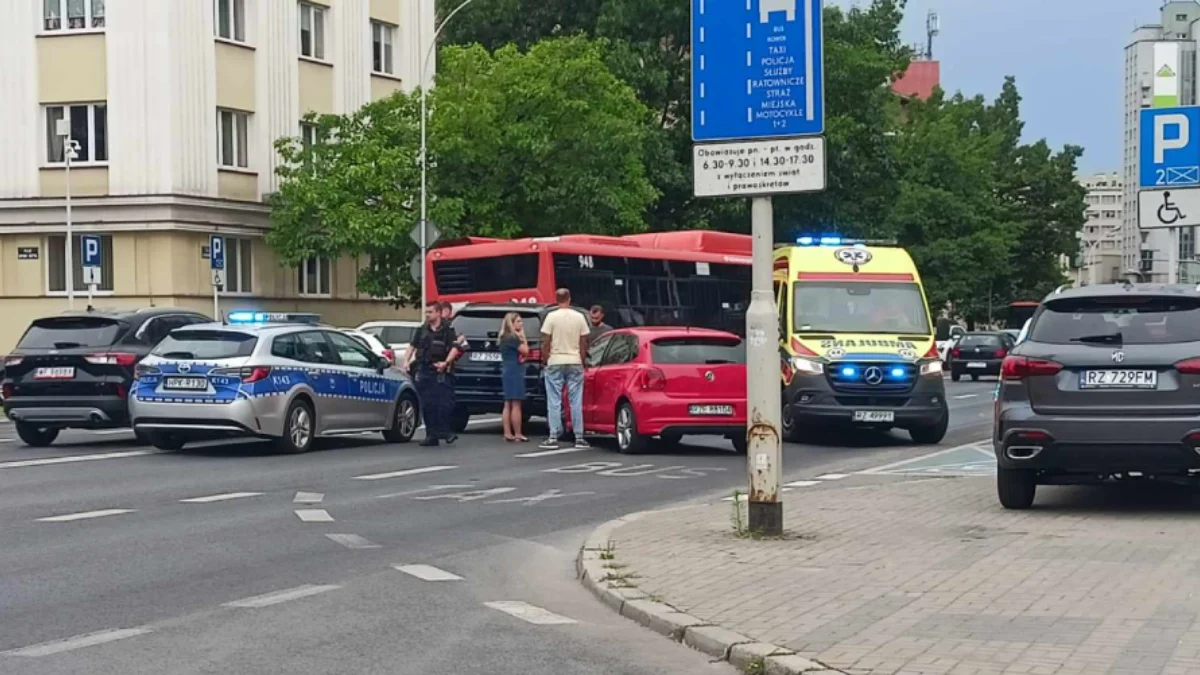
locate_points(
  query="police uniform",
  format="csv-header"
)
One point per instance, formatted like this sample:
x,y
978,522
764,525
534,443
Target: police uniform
x,y
435,389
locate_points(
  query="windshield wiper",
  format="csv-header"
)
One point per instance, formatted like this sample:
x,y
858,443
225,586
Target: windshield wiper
x,y
1104,338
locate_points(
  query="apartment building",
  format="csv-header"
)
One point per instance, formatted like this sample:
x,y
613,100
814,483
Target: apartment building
x,y
175,107
1100,256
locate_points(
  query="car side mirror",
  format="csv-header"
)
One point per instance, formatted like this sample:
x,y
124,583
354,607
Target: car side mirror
x,y
381,363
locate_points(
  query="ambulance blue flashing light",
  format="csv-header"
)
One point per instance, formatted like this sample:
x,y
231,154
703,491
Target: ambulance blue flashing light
x,y
245,317
822,241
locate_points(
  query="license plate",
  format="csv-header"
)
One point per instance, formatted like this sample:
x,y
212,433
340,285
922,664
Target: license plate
x,y
710,410
484,356
186,383
1118,379
874,416
977,364
54,373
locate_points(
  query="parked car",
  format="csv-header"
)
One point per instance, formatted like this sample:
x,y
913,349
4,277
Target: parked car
x,y
668,382
1103,387
396,335
373,343
289,382
979,354
75,370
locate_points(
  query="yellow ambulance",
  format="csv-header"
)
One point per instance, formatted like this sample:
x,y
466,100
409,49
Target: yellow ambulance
x,y
857,347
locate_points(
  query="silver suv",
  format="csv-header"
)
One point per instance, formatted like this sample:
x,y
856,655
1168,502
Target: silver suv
x,y
1105,386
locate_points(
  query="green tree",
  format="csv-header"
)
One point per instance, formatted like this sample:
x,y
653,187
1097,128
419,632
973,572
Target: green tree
x,y
540,142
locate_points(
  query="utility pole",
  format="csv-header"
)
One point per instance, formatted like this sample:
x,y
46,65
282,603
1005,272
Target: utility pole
x,y
763,393
70,152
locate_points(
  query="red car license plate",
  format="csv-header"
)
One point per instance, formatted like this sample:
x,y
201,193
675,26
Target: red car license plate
x,y
710,410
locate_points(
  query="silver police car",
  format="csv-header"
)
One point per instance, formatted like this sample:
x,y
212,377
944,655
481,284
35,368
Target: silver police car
x,y
284,377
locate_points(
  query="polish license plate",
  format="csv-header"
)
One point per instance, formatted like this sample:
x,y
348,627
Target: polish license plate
x,y
1118,379
977,364
714,410
874,416
54,374
186,383
484,356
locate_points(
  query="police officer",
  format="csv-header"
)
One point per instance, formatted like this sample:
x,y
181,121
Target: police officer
x,y
434,349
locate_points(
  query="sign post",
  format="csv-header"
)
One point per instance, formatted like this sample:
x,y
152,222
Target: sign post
x,y
757,120
1169,181
93,258
216,261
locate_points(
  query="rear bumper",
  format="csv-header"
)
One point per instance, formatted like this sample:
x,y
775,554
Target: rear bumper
x,y
810,400
239,418
659,414
725,429
81,412
1084,445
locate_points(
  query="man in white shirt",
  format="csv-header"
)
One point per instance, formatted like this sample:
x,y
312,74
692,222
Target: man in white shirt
x,y
564,342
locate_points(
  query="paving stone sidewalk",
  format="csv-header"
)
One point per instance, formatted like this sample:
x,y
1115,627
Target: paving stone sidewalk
x,y
932,577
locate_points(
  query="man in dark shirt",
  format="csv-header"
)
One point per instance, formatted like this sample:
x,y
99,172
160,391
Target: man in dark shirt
x,y
598,326
434,349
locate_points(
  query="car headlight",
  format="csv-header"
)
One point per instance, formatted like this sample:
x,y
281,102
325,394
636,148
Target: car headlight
x,y
931,368
807,366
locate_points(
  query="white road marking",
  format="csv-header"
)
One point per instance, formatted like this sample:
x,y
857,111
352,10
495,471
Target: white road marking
x,y
962,396
281,596
314,515
73,458
308,497
914,460
427,573
8,440
112,432
547,453
527,612
833,476
219,498
741,499
432,488
405,472
352,541
77,642
84,515
802,483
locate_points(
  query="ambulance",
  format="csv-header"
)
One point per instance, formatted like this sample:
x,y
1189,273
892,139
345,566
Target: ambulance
x,y
857,348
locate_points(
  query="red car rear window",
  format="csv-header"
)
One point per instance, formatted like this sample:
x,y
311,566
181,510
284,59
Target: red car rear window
x,y
698,350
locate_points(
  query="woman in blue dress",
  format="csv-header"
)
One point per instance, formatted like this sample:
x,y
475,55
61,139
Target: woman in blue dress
x,y
513,347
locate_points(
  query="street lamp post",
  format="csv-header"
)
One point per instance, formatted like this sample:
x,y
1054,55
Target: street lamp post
x,y
70,152
425,142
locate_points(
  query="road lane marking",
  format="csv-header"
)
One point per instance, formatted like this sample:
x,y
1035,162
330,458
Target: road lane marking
x,y
802,483
112,432
219,498
314,515
281,596
916,460
405,472
962,396
427,573
73,458
432,488
308,497
547,453
84,515
8,440
527,612
352,541
78,642
833,476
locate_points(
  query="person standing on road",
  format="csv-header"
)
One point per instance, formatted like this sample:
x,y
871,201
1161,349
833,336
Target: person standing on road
x,y
513,346
434,349
598,326
564,342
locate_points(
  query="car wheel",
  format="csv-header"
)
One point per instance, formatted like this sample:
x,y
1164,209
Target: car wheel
x,y
299,427
36,437
1016,488
791,429
629,441
934,433
739,444
459,419
165,441
955,376
408,418
670,440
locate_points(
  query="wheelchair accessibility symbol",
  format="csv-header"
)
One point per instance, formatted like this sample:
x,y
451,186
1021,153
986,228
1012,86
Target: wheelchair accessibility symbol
x,y
1169,213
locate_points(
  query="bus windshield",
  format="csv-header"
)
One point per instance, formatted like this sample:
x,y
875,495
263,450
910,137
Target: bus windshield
x,y
859,307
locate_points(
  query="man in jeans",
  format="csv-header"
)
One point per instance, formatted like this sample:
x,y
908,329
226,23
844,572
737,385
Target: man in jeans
x,y
564,342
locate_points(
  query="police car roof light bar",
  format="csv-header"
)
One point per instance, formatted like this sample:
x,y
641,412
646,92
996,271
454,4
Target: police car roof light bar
x,y
243,317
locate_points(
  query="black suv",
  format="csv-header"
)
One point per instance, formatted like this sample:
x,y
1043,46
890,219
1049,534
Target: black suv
x,y
74,370
477,383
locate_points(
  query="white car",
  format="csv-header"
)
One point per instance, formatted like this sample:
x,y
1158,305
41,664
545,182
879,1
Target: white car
x,y
944,346
396,335
371,342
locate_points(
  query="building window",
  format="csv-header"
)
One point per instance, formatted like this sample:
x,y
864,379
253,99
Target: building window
x,y
1181,17
233,134
383,37
231,19
56,263
314,277
239,265
312,31
80,14
308,134
88,126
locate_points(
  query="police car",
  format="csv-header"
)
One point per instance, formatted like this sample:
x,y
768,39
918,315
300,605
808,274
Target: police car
x,y
284,377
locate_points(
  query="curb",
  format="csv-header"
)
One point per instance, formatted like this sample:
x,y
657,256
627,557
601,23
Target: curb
x,y
744,653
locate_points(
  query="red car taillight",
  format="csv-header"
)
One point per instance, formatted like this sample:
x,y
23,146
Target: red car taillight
x,y
7,389
255,374
534,356
1021,367
1189,367
956,352
1001,353
112,359
655,379
933,352
390,355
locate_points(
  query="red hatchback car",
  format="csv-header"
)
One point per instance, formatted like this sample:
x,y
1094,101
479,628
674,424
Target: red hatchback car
x,y
667,382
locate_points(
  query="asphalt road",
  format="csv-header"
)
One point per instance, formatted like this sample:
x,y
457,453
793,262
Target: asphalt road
x,y
227,558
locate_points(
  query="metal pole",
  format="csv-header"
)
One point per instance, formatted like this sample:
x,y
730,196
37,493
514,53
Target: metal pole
x,y
1173,257
764,444
216,302
68,150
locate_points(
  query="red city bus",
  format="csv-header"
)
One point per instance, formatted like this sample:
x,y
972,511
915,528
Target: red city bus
x,y
1019,312
692,278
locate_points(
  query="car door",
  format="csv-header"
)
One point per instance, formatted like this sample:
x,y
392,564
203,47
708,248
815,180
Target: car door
x,y
369,394
610,377
591,420
326,379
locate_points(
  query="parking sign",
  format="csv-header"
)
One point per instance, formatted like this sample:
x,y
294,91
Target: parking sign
x,y
90,249
216,247
1170,147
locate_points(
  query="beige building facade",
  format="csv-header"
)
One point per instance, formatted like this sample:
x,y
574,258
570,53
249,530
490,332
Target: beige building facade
x,y
175,107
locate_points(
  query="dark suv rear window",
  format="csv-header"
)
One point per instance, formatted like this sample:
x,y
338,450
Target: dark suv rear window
x,y
981,341
487,324
1130,320
205,344
71,333
697,351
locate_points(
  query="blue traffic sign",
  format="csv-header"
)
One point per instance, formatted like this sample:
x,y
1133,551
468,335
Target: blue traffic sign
x,y
756,69
216,248
89,246
1170,147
